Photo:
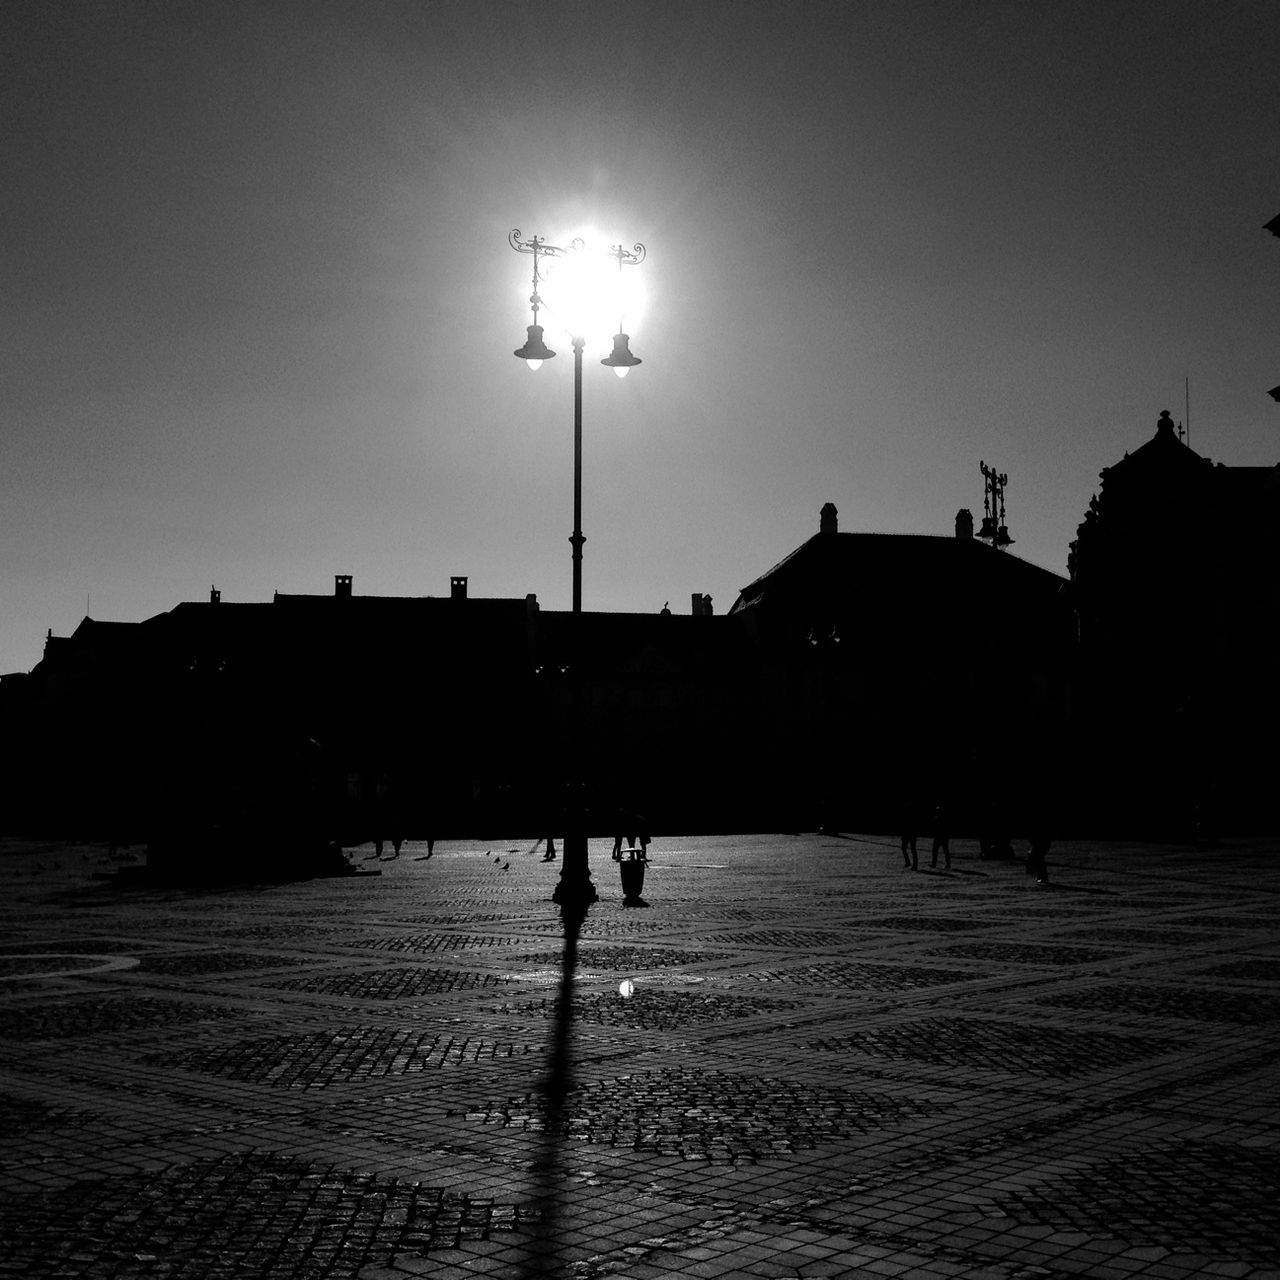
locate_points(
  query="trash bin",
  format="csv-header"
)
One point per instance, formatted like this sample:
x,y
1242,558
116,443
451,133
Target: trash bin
x,y
631,864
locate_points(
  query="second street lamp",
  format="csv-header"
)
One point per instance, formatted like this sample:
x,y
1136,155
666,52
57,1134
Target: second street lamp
x,y
574,889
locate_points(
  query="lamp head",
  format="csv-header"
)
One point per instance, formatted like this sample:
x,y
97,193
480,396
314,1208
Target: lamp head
x,y
535,351
620,358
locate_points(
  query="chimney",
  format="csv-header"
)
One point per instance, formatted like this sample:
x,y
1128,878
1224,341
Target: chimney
x,y
457,588
964,525
827,521
215,596
342,586
701,605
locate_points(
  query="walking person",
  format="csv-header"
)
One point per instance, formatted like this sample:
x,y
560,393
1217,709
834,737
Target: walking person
x,y
622,823
910,857
1037,858
941,835
908,818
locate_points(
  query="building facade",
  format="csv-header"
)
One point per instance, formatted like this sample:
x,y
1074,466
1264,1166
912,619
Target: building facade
x,y
1174,583
899,673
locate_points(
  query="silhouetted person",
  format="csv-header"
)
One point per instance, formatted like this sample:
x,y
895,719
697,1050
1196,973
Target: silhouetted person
x,y
1037,855
630,824
941,836
385,815
910,858
550,855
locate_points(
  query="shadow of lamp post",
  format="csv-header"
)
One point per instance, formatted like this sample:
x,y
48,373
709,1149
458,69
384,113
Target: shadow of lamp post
x,y
574,890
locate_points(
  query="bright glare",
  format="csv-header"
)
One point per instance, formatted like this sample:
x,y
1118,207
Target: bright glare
x,y
588,296
622,370
535,365
626,988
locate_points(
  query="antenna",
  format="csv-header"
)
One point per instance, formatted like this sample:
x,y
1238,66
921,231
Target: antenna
x,y
1186,391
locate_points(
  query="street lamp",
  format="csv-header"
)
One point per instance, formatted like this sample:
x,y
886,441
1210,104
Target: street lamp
x,y
574,889
994,529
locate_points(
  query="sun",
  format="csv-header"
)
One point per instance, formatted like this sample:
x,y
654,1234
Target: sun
x,y
590,292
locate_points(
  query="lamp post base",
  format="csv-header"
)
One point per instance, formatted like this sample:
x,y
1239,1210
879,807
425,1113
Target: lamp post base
x,y
574,888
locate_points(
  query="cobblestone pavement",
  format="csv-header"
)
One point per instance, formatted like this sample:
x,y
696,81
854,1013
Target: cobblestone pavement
x,y
827,1066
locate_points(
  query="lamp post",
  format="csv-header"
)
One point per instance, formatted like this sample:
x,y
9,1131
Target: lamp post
x,y
574,890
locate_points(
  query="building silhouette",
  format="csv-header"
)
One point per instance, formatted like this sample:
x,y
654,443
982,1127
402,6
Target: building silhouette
x,y
1173,574
322,718
862,676
909,668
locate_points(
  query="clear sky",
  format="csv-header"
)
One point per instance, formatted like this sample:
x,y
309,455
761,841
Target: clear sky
x,y
259,307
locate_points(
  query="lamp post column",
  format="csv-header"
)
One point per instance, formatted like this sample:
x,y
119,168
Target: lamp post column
x,y
576,537
574,888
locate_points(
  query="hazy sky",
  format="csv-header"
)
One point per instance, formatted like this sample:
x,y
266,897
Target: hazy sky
x,y
259,308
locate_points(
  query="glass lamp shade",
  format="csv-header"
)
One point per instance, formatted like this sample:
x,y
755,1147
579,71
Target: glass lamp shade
x,y
620,358
535,351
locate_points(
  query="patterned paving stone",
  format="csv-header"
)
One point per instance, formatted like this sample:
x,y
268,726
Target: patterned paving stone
x,y
25,966
1239,1101
77,946
459,917
697,913
991,1045
1043,909
1248,969
789,939
319,1059
1241,921
61,1019
847,976
1190,1197
1169,1002
430,942
390,984
656,1010
707,1115
22,1116
275,934
826,1066
629,924
1024,953
1131,936
199,964
628,959
248,1214
928,924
